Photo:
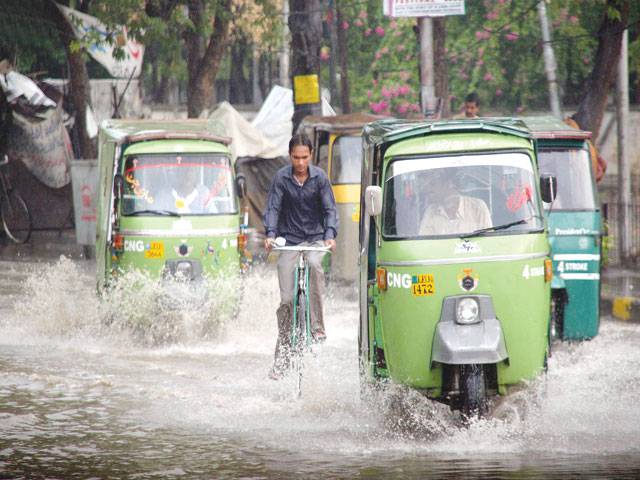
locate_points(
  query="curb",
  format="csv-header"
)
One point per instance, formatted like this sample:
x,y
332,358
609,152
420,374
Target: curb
x,y
621,308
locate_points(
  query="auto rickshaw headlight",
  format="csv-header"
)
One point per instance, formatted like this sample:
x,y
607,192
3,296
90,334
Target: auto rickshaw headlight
x,y
467,311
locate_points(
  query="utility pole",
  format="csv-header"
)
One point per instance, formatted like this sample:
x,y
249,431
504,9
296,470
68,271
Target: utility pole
x,y
333,42
624,167
549,61
305,23
284,50
428,99
344,67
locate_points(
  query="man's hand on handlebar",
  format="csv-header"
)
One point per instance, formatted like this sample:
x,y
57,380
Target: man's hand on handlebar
x,y
331,243
269,243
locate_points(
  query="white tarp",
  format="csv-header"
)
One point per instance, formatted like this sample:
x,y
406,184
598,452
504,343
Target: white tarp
x,y
422,8
84,183
15,85
274,119
129,66
247,141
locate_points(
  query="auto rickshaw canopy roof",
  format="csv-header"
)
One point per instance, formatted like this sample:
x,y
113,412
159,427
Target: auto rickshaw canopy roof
x,y
347,123
134,130
547,127
393,130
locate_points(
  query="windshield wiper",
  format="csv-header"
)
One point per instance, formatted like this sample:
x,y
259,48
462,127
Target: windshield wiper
x,y
165,213
480,231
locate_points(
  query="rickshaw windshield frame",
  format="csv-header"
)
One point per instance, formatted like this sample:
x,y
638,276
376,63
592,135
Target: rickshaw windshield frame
x,y
576,172
164,196
522,206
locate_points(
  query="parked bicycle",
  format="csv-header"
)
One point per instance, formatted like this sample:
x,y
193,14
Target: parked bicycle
x,y
301,337
15,215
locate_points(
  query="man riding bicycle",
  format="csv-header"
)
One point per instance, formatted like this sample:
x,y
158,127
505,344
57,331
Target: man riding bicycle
x,y
301,208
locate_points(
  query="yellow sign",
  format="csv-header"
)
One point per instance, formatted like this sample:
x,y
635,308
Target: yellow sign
x,y
423,285
155,250
306,89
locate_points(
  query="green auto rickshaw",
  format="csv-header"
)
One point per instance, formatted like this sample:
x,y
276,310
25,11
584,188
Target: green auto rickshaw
x,y
168,201
337,146
575,227
454,255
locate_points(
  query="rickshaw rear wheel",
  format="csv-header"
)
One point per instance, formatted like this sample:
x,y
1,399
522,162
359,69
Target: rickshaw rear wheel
x,y
557,316
473,391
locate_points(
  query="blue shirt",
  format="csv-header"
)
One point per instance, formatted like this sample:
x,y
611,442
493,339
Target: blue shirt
x,y
304,213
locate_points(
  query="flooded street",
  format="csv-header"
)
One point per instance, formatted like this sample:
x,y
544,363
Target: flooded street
x,y
83,395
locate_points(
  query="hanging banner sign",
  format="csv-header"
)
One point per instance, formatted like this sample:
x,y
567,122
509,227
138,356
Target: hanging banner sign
x,y
129,66
422,8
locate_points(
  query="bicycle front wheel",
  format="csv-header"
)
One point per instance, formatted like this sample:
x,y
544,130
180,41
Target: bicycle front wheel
x,y
16,218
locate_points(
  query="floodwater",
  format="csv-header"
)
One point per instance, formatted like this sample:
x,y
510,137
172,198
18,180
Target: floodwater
x,y
85,393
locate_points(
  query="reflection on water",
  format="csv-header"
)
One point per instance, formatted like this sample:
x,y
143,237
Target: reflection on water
x,y
83,394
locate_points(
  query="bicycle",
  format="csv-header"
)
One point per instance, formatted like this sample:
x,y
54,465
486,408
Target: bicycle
x,y
15,215
301,336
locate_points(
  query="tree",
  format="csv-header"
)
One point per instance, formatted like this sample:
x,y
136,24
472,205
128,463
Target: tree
x,y
305,24
80,90
591,109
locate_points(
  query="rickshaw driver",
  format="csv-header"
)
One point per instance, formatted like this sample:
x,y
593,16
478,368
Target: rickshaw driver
x,y
302,209
449,211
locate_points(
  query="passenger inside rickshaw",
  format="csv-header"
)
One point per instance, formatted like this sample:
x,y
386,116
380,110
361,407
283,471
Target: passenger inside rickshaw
x,y
459,195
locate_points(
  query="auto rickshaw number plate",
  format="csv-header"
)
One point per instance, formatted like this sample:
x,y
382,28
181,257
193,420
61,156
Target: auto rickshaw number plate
x,y
423,285
155,250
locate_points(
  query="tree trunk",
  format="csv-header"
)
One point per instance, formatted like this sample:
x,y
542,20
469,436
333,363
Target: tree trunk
x,y
441,82
305,24
344,66
79,88
238,86
203,63
591,109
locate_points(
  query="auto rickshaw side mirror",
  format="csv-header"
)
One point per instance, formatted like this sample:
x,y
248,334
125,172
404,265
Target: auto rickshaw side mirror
x,y
548,188
241,185
373,200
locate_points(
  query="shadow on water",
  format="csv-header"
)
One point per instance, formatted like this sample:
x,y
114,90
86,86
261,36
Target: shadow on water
x,y
101,387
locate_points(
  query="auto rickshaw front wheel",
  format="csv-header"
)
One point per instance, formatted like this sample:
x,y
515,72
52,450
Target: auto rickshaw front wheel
x,y
473,391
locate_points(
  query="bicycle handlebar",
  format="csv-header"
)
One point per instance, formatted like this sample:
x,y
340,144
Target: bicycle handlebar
x,y
303,248
4,161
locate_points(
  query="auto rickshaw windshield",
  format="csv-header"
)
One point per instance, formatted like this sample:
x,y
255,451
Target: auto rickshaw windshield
x,y
346,160
572,170
457,195
187,184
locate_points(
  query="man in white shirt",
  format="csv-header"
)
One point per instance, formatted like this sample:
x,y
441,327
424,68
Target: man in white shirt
x,y
449,212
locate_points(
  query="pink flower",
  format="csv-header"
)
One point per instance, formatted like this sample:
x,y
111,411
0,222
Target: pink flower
x,y
358,22
585,60
379,31
386,93
404,90
362,14
369,93
378,55
573,19
367,32
492,15
414,107
345,25
480,62
324,54
479,35
384,50
403,108
374,82
393,24
375,107
498,92
512,36
488,77
481,51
